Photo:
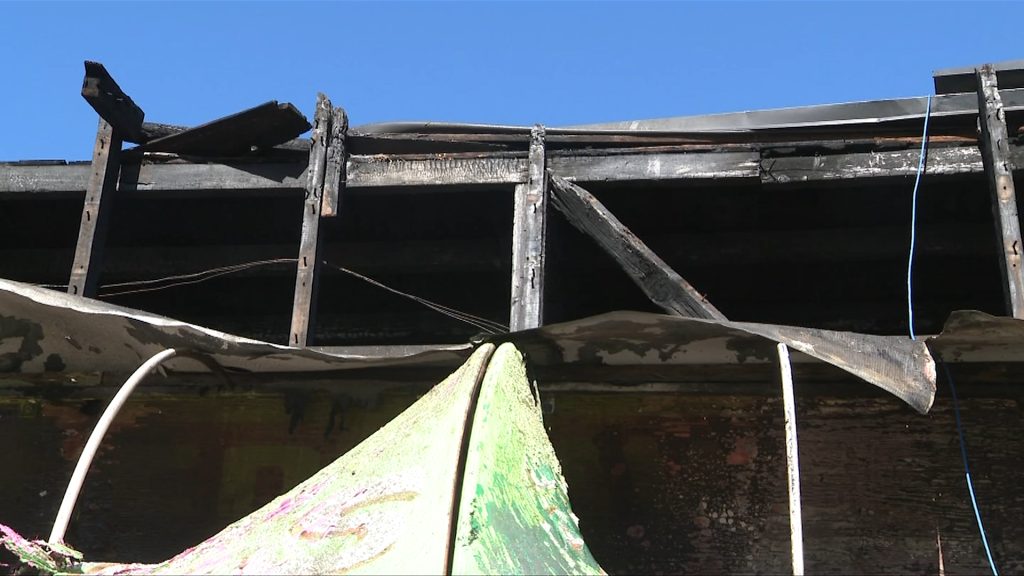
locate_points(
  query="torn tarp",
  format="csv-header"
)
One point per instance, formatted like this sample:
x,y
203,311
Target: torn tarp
x,y
896,364
46,331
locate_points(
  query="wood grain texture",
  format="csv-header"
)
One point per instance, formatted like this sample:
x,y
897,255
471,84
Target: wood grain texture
x,y
662,285
101,91
995,153
99,196
306,277
334,168
257,128
19,179
529,233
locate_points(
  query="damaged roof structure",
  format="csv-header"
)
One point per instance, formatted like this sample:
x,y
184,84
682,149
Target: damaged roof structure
x,y
636,265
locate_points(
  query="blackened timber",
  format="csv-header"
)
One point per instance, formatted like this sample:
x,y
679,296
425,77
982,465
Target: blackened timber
x,y
437,169
468,169
995,154
92,232
258,128
108,100
616,167
306,280
659,282
945,161
529,230
334,170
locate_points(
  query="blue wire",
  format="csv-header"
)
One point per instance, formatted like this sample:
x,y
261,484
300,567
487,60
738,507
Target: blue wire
x,y
967,470
913,219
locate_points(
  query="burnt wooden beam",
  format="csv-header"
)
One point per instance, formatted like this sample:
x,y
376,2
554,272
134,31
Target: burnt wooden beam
x,y
995,154
47,178
659,282
941,161
108,100
306,280
257,128
334,170
92,232
529,230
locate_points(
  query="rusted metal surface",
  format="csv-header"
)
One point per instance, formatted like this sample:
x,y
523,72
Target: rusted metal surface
x,y
896,364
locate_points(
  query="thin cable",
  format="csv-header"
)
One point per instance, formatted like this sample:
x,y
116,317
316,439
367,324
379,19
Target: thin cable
x,y
967,469
196,277
67,506
231,268
484,324
913,219
212,273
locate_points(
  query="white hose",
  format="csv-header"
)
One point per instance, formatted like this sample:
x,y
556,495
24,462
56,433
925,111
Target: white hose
x,y
67,506
796,523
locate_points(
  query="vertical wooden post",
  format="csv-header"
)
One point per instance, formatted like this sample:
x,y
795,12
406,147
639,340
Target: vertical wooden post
x,y
334,170
796,523
92,233
306,275
529,229
995,153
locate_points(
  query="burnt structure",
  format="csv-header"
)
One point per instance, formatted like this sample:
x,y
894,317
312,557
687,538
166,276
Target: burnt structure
x,y
798,217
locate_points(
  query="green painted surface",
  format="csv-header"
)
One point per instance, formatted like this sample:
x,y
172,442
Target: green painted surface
x,y
382,508
514,511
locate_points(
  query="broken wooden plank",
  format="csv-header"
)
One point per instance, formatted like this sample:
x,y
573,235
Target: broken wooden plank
x,y
306,277
659,282
108,100
257,128
529,230
995,154
334,171
92,232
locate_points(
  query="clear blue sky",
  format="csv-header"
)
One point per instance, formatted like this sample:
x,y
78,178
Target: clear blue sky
x,y
520,63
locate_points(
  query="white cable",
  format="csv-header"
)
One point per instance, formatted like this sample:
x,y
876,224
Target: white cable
x,y
67,506
796,523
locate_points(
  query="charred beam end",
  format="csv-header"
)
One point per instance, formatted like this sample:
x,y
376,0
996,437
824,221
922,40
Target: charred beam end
x,y
529,231
306,277
995,154
334,167
662,285
103,175
258,128
108,100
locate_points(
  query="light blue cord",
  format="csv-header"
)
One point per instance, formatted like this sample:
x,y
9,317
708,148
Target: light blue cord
x,y
913,219
967,470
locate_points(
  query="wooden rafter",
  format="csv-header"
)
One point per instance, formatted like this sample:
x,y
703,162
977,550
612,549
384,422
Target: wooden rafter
x,y
662,285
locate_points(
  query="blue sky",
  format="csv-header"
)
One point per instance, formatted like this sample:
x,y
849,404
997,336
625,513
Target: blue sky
x,y
519,63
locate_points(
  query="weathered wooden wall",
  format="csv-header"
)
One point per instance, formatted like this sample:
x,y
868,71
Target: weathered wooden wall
x,y
663,482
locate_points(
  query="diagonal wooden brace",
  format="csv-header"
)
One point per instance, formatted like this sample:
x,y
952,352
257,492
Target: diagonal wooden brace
x,y
660,282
